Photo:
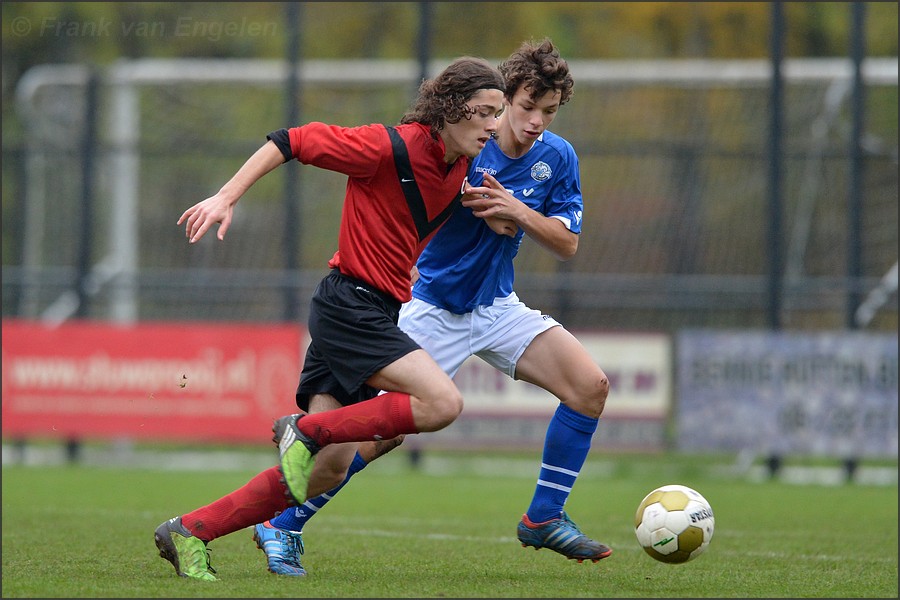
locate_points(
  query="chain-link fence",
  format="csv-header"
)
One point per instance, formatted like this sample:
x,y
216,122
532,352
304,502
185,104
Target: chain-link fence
x,y
675,168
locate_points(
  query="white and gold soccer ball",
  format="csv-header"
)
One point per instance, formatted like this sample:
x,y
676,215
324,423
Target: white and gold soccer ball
x,y
674,524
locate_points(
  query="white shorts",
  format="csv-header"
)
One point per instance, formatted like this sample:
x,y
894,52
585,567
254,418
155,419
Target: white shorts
x,y
497,334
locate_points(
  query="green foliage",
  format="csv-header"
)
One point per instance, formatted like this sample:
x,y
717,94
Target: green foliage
x,y
100,32
395,532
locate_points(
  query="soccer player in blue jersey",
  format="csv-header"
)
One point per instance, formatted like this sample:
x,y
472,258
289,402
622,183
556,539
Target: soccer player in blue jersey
x,y
525,181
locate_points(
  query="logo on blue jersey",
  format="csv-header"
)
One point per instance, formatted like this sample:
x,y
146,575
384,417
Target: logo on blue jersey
x,y
541,171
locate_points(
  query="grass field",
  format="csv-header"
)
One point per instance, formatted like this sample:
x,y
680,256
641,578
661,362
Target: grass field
x,y
87,531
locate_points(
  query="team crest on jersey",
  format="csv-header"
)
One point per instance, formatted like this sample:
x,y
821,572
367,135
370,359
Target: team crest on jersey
x,y
540,171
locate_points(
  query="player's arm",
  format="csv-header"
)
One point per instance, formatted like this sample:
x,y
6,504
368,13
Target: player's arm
x,y
491,200
552,234
220,208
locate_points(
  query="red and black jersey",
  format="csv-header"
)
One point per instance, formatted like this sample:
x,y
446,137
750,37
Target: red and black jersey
x,y
399,192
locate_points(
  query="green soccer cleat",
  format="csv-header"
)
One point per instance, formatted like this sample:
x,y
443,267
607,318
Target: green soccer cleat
x,y
298,455
187,553
561,535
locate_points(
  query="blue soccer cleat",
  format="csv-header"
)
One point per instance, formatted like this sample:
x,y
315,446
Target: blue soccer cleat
x,y
561,535
282,548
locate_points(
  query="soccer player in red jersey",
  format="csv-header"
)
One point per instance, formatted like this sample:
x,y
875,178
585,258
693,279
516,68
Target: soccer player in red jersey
x,y
403,183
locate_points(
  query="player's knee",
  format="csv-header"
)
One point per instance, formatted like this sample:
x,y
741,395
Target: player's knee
x,y
447,407
439,409
599,390
592,391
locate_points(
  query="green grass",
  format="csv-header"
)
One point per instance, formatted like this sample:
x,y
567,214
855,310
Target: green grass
x,y
77,531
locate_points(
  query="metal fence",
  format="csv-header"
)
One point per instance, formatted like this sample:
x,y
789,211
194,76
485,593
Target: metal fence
x,y
675,161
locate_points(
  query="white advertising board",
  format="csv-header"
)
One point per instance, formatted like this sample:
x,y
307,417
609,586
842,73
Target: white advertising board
x,y
502,411
828,393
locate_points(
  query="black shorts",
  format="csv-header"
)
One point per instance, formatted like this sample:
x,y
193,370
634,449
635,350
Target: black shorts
x,y
354,333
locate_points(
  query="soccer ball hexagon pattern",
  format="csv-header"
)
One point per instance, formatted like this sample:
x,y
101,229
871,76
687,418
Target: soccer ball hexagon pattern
x,y
674,524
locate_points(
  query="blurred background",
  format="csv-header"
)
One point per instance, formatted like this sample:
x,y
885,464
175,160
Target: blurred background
x,y
700,209
738,164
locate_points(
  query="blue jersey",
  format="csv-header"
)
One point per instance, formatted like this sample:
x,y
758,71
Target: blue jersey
x,y
466,264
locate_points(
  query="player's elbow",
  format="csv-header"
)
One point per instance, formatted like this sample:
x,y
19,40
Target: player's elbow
x,y
567,250
564,256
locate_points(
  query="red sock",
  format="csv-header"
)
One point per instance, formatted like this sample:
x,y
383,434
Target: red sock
x,y
260,499
382,417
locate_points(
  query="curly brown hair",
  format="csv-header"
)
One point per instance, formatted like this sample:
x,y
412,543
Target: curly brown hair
x,y
538,67
443,99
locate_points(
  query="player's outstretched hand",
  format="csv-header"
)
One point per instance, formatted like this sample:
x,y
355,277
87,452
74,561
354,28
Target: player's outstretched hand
x,y
203,215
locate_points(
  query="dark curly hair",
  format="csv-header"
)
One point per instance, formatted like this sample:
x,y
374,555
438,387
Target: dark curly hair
x,y
443,99
538,67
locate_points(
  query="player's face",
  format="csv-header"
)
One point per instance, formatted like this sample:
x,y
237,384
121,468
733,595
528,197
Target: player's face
x,y
526,118
469,135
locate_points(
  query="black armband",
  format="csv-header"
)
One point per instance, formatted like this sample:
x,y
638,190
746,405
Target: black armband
x,y
282,139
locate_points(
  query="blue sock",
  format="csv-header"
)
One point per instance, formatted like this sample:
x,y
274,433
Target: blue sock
x,y
566,448
295,517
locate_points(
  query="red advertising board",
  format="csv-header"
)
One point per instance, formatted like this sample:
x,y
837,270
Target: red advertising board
x,y
197,382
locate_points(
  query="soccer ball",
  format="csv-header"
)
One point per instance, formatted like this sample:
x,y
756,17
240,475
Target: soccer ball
x,y
674,524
